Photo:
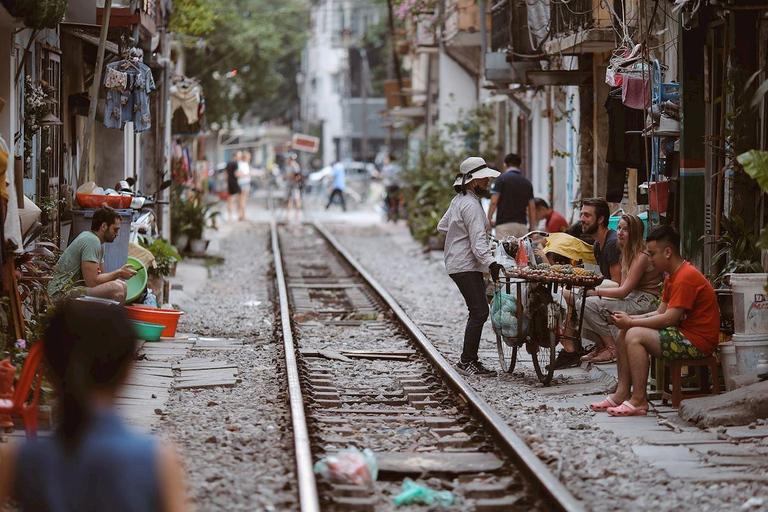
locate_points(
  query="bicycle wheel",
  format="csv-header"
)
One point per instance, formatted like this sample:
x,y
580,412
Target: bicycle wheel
x,y
507,354
544,358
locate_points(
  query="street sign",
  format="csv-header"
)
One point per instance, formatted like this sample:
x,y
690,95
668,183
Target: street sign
x,y
306,143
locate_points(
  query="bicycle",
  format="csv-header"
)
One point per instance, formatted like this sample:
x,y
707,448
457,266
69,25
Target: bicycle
x,y
527,310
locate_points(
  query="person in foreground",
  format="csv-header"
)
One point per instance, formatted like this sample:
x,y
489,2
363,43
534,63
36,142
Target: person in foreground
x,y
686,326
468,255
92,462
82,262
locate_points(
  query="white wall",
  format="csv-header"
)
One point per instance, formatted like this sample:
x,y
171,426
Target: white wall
x,y
458,90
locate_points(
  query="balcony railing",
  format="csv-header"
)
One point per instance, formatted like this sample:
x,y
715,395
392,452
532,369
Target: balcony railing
x,y
582,26
500,19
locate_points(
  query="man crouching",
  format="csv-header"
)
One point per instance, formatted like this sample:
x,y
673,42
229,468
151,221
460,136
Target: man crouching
x,y
82,263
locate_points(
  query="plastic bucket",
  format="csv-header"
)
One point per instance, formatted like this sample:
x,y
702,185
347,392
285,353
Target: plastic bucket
x,y
750,305
728,362
749,349
167,317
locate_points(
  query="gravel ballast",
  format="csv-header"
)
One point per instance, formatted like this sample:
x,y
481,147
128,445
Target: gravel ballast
x,y
595,465
236,442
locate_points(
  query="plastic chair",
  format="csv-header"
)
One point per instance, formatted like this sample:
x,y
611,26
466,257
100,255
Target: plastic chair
x,y
18,404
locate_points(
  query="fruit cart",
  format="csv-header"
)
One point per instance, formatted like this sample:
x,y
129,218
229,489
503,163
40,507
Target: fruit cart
x,y
535,306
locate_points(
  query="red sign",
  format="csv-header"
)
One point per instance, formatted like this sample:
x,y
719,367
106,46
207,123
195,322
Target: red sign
x,y
306,143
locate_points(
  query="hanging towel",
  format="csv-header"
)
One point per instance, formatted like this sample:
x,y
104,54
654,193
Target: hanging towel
x,y
636,92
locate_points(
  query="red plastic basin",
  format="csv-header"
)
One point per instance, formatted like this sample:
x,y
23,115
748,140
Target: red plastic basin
x,y
94,201
167,317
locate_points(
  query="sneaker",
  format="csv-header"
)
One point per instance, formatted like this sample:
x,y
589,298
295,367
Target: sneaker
x,y
566,360
474,368
605,356
591,355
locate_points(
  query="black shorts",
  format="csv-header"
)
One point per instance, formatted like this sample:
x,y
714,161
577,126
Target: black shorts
x,y
233,188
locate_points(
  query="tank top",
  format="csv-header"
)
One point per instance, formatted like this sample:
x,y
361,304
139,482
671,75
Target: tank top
x,y
112,469
650,281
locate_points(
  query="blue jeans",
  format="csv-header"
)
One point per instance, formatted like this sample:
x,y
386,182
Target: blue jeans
x,y
472,287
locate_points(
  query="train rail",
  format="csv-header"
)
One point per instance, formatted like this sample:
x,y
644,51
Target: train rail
x,y
361,373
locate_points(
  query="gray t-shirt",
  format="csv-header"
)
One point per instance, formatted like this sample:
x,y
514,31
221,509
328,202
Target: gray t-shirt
x,y
69,270
609,255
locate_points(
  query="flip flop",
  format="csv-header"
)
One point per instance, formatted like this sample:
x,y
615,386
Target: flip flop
x,y
603,406
627,409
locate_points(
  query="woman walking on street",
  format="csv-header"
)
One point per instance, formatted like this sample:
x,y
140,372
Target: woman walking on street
x,y
233,187
93,462
244,182
468,254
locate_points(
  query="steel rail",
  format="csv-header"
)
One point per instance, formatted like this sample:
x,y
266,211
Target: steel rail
x,y
308,499
517,448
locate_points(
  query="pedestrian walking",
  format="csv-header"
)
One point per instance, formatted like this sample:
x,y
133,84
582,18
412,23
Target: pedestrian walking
x,y
512,201
294,180
468,255
339,185
92,462
244,182
393,186
233,187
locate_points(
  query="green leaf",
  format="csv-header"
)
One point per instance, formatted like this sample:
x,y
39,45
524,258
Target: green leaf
x,y
755,164
758,97
763,242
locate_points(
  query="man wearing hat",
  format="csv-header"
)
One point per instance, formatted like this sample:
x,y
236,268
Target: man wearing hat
x,y
468,255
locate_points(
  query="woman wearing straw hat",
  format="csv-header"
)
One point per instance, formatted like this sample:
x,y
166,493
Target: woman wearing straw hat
x,y
468,254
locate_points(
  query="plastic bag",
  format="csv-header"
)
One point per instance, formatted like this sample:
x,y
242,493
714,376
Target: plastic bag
x,y
415,494
349,466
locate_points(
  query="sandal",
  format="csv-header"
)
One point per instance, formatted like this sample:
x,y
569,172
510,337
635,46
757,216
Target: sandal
x,y
604,405
627,409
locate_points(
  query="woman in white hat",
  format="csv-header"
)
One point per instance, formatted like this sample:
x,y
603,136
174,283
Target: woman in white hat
x,y
468,254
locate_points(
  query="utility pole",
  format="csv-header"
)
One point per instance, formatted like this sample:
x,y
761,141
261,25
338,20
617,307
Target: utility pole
x,y
364,104
398,73
94,95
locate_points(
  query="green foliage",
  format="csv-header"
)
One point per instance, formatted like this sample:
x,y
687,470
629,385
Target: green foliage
x,y
430,174
190,215
37,14
165,255
263,41
739,249
755,164
194,17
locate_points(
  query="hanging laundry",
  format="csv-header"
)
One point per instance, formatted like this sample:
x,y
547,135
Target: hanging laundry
x,y
636,92
624,150
187,95
128,84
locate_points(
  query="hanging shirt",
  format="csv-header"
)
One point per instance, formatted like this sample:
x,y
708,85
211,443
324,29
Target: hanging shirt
x,y
129,103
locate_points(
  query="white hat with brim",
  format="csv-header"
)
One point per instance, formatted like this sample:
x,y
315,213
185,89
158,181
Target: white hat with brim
x,y
472,168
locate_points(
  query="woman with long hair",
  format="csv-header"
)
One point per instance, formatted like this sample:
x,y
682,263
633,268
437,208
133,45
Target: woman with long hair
x,y
640,286
92,462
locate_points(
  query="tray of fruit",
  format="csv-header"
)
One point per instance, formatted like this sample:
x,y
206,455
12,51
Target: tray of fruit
x,y
563,274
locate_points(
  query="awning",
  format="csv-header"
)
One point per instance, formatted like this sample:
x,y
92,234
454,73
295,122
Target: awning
x,y
89,34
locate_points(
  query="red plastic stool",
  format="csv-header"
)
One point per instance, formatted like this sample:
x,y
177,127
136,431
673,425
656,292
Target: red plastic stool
x,y
672,389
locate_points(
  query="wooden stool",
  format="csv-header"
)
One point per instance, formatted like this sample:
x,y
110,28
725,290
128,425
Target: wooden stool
x,y
673,377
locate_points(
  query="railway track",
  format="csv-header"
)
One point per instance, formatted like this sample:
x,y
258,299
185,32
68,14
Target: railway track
x,y
361,373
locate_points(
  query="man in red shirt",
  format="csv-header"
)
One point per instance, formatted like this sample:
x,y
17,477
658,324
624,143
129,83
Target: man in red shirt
x,y
686,325
555,222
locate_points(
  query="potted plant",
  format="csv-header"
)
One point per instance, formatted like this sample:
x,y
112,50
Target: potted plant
x,y
166,257
198,217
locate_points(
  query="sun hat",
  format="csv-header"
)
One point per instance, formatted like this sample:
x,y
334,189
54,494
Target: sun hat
x,y
472,168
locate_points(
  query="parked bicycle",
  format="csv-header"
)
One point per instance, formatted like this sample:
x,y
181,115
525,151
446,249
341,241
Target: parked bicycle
x,y
528,308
